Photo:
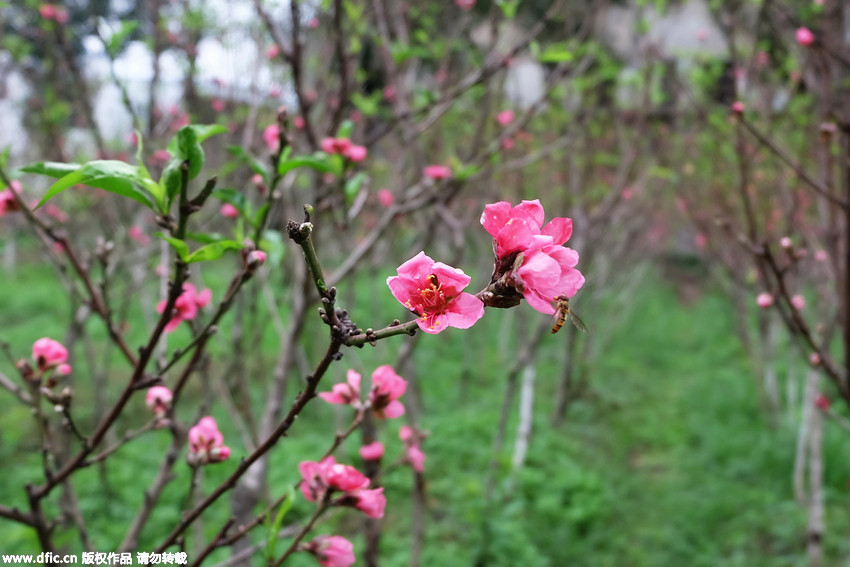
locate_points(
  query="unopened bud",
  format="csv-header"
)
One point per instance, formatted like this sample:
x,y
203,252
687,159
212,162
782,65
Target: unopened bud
x,y
256,258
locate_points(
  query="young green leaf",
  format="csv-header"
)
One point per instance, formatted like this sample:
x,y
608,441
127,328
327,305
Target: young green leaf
x,y
318,161
110,175
213,251
54,169
181,247
274,527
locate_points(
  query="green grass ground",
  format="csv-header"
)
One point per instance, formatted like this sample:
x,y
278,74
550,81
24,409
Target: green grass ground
x,y
667,460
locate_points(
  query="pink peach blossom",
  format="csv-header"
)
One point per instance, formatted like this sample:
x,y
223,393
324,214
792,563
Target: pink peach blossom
x,y
371,501
738,107
161,157
229,211
337,146
272,51
785,242
433,291
47,11
314,483
822,402
372,452
437,172
387,388
356,153
764,300
331,551
313,23
136,233
257,179
507,144
48,353
186,307
513,228
271,137
345,478
466,5
8,202
218,105
347,393
390,92
413,452
546,273
798,301
158,400
386,198
805,37
814,359
505,117
299,122
821,256
206,443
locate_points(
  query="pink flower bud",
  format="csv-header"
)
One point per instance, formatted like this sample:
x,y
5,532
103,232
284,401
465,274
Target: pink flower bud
x,y
805,37
785,242
47,11
356,153
218,105
821,256
136,233
272,51
798,301
814,359
271,137
313,23
229,211
372,452
390,93
206,443
738,107
505,117
158,400
331,551
764,300
822,402
161,157
507,144
256,258
63,369
386,198
465,5
437,172
299,122
257,179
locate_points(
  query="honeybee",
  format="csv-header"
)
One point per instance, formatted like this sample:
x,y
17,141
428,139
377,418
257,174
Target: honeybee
x,y
562,312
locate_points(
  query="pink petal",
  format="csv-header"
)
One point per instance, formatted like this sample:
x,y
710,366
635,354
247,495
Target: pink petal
x,y
464,311
393,410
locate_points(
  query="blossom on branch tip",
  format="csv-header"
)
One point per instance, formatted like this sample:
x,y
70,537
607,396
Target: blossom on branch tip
x,y
505,117
331,551
372,452
8,202
48,354
414,455
387,388
255,259
271,136
512,228
158,400
764,300
437,172
805,37
386,198
434,292
345,393
186,307
206,443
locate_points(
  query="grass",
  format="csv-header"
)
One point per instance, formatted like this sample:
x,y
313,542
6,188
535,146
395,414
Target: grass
x,y
667,459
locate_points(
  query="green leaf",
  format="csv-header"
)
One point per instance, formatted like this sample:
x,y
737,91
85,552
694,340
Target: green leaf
x,y
353,185
213,251
181,247
259,216
184,146
557,53
274,527
509,7
256,165
318,161
110,175
117,39
205,238
51,168
204,131
345,129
